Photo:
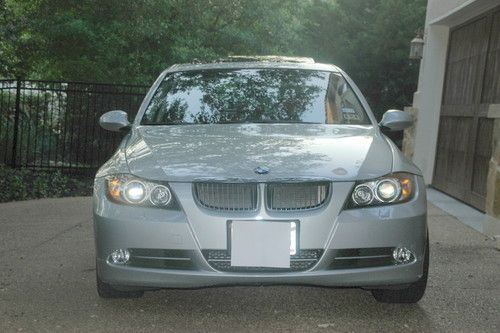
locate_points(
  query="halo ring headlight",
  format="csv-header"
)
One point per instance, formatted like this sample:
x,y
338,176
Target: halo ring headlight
x,y
134,191
387,190
362,195
130,190
160,195
393,188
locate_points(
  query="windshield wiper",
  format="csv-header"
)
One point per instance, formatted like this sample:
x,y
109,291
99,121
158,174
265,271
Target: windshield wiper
x,y
237,122
283,122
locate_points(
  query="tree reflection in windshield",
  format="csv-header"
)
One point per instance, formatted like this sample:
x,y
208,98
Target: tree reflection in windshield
x,y
254,96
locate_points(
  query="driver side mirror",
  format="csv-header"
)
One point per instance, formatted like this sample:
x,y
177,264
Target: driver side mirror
x,y
395,120
115,121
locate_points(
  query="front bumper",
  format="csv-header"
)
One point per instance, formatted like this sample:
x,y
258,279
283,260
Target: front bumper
x,y
124,227
157,278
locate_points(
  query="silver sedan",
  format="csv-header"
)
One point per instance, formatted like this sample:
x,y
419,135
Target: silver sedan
x,y
256,172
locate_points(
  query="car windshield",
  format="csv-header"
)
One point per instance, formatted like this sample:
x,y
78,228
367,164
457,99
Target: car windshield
x,y
254,96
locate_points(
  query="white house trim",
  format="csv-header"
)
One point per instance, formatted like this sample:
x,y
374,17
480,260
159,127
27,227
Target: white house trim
x,y
427,99
464,12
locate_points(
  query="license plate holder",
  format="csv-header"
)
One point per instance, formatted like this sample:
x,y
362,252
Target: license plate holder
x,y
262,243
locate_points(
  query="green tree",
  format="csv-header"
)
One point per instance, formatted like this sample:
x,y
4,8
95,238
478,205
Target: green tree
x,y
131,41
16,43
369,39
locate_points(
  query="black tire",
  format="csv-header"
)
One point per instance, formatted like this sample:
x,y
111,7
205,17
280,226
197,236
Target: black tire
x,y
105,290
411,294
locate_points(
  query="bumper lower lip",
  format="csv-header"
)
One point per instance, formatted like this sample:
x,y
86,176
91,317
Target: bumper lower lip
x,y
158,278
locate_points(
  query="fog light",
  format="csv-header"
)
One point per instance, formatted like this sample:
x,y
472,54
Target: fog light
x,y
402,255
120,256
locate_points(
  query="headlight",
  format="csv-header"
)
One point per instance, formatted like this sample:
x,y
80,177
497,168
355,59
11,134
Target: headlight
x,y
130,190
134,191
393,188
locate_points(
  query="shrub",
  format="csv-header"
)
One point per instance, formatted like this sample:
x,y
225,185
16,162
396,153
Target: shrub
x,y
24,184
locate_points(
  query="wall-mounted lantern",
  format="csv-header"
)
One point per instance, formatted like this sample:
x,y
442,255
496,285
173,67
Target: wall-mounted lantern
x,y
417,47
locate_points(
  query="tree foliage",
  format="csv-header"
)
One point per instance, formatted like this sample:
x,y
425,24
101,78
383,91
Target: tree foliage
x,y
131,41
369,39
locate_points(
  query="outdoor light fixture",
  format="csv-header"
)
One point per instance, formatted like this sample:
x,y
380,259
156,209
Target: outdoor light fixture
x,y
417,47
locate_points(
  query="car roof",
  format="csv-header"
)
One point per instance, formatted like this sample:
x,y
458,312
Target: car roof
x,y
271,63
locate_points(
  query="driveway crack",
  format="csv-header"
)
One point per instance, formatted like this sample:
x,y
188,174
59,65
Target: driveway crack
x,y
51,238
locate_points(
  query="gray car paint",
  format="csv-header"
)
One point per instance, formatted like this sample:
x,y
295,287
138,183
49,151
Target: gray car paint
x,y
183,154
119,226
189,152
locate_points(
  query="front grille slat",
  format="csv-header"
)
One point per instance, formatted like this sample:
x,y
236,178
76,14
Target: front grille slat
x,y
236,197
226,196
361,258
297,196
161,259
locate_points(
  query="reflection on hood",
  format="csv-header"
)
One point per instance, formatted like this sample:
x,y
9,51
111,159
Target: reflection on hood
x,y
233,151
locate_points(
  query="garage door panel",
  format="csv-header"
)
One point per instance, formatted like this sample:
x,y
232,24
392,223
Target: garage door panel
x,y
491,90
482,155
461,81
468,46
451,156
465,134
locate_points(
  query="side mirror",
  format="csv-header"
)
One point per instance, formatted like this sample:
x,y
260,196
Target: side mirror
x,y
395,120
114,121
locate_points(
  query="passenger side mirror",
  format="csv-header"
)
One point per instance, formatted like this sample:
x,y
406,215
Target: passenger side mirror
x,y
396,120
115,121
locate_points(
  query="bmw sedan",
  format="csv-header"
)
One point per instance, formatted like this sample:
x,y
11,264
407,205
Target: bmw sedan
x,y
257,172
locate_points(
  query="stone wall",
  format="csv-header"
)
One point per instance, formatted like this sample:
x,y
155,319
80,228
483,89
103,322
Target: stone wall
x,y
409,133
493,182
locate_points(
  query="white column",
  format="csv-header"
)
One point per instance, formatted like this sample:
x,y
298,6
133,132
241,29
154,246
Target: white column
x,y
428,101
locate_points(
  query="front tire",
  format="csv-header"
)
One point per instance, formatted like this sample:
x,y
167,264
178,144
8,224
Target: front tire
x,y
411,294
105,290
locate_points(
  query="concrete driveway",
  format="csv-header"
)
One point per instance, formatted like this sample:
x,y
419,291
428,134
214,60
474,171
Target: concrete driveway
x,y
47,284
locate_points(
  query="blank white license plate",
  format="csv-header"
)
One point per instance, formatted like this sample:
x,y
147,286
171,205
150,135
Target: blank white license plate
x,y
263,243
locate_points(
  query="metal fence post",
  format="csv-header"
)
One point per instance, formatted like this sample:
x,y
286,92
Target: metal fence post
x,y
50,120
16,121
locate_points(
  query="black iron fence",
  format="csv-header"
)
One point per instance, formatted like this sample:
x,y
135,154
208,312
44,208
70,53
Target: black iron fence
x,y
54,125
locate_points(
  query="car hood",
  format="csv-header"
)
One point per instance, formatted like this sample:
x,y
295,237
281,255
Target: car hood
x,y
231,152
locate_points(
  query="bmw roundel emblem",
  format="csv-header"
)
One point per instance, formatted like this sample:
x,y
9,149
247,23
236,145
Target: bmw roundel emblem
x,y
261,170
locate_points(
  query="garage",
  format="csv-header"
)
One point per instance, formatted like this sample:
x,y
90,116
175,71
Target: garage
x,y
456,139
471,88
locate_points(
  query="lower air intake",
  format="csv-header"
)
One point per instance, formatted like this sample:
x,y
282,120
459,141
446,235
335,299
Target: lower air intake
x,y
303,260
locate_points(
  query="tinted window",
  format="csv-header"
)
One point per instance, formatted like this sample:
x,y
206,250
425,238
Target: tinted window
x,y
254,96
